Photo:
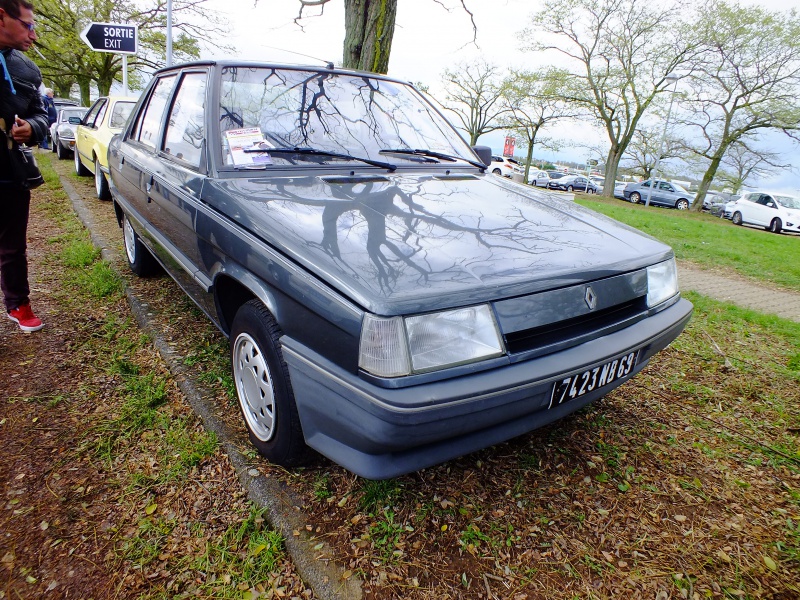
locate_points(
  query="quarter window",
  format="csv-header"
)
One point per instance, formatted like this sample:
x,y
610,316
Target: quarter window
x,y
185,129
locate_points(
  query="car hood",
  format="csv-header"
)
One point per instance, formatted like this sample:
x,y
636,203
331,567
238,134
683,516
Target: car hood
x,y
401,243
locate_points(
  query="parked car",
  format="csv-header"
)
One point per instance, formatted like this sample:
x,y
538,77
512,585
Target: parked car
x,y
775,212
64,102
574,183
556,174
663,194
502,165
716,202
62,132
539,178
105,118
388,305
599,181
619,189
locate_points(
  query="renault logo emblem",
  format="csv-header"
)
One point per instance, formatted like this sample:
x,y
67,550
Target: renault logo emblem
x,y
590,297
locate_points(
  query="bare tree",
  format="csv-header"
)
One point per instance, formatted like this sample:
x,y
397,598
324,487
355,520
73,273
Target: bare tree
x,y
533,101
474,93
621,52
746,80
742,162
640,157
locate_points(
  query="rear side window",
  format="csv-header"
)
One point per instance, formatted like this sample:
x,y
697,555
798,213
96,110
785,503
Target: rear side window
x,y
120,113
185,128
150,125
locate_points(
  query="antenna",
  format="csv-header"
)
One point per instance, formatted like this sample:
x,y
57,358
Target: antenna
x,y
328,63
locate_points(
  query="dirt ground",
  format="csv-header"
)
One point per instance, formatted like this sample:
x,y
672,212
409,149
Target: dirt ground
x,y
67,515
684,483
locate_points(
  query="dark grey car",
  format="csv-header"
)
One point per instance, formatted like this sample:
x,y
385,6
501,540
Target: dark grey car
x,y
389,303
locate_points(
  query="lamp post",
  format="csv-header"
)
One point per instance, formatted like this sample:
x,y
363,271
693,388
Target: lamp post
x,y
674,79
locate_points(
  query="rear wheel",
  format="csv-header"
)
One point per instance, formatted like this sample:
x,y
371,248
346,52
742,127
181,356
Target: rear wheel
x,y
263,387
79,168
736,219
140,261
569,188
776,225
682,204
100,182
590,191
496,171
636,197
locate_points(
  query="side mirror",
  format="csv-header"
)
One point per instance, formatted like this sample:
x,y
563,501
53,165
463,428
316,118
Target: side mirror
x,y
75,120
484,153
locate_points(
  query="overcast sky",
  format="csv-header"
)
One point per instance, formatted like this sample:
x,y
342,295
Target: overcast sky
x,y
428,39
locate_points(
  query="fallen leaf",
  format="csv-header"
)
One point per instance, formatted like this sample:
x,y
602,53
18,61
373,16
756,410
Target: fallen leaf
x,y
770,563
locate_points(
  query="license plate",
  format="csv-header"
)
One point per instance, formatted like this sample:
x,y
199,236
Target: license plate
x,y
580,384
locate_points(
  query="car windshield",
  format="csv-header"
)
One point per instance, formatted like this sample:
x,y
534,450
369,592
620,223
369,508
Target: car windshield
x,y
66,113
341,113
788,202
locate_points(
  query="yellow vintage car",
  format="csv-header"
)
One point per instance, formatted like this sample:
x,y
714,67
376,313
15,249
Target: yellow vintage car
x,y
106,118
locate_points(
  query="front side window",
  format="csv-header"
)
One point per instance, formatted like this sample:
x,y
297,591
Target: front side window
x,y
150,125
91,116
358,115
185,128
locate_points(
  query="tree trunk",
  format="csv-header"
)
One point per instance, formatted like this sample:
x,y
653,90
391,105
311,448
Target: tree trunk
x,y
369,28
705,183
612,166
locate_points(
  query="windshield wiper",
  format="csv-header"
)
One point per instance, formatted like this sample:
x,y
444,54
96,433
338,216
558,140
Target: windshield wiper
x,y
432,154
318,152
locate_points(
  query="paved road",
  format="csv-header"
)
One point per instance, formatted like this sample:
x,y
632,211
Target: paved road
x,y
739,291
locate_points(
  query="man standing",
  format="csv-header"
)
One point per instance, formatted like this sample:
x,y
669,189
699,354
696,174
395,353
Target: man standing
x,y
23,120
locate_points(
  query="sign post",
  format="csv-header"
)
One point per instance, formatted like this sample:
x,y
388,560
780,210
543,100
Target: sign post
x,y
115,38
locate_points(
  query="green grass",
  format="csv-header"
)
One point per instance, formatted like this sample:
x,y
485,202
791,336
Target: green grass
x,y
711,241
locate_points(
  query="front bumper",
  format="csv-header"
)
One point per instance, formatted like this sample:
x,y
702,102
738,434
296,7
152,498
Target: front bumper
x,y
378,433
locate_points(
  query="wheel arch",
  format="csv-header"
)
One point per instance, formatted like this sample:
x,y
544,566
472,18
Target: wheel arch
x,y
233,288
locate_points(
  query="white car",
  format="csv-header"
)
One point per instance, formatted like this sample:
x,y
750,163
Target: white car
x,y
62,132
502,165
539,178
775,212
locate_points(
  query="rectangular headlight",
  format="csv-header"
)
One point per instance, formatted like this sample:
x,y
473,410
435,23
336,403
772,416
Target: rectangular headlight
x,y
662,282
395,346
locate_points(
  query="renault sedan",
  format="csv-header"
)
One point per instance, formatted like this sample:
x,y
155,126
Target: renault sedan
x,y
389,302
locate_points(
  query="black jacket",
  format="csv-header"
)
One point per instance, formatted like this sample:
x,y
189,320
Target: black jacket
x,y
27,102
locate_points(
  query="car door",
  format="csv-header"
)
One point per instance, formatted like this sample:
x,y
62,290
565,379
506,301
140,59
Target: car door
x,y
83,134
174,178
764,210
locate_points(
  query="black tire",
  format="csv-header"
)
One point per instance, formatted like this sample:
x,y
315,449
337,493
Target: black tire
x,y
140,261
635,197
100,182
590,191
79,168
54,144
263,387
776,226
682,204
736,219
61,153
569,188
496,172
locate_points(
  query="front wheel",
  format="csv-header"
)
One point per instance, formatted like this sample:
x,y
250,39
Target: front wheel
x,y
682,204
636,197
736,219
263,387
776,225
61,153
496,172
140,261
79,168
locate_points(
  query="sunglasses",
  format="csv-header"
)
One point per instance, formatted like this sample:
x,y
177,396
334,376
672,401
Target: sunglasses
x,y
30,26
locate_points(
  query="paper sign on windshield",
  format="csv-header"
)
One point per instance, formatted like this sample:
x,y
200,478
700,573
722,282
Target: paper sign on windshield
x,y
249,138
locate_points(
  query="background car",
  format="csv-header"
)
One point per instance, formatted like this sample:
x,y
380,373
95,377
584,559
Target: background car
x,y
664,193
599,181
577,183
556,174
775,212
619,189
539,178
502,165
64,102
106,117
62,132
715,203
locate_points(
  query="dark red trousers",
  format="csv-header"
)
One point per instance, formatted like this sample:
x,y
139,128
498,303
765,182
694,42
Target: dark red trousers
x,y
15,206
